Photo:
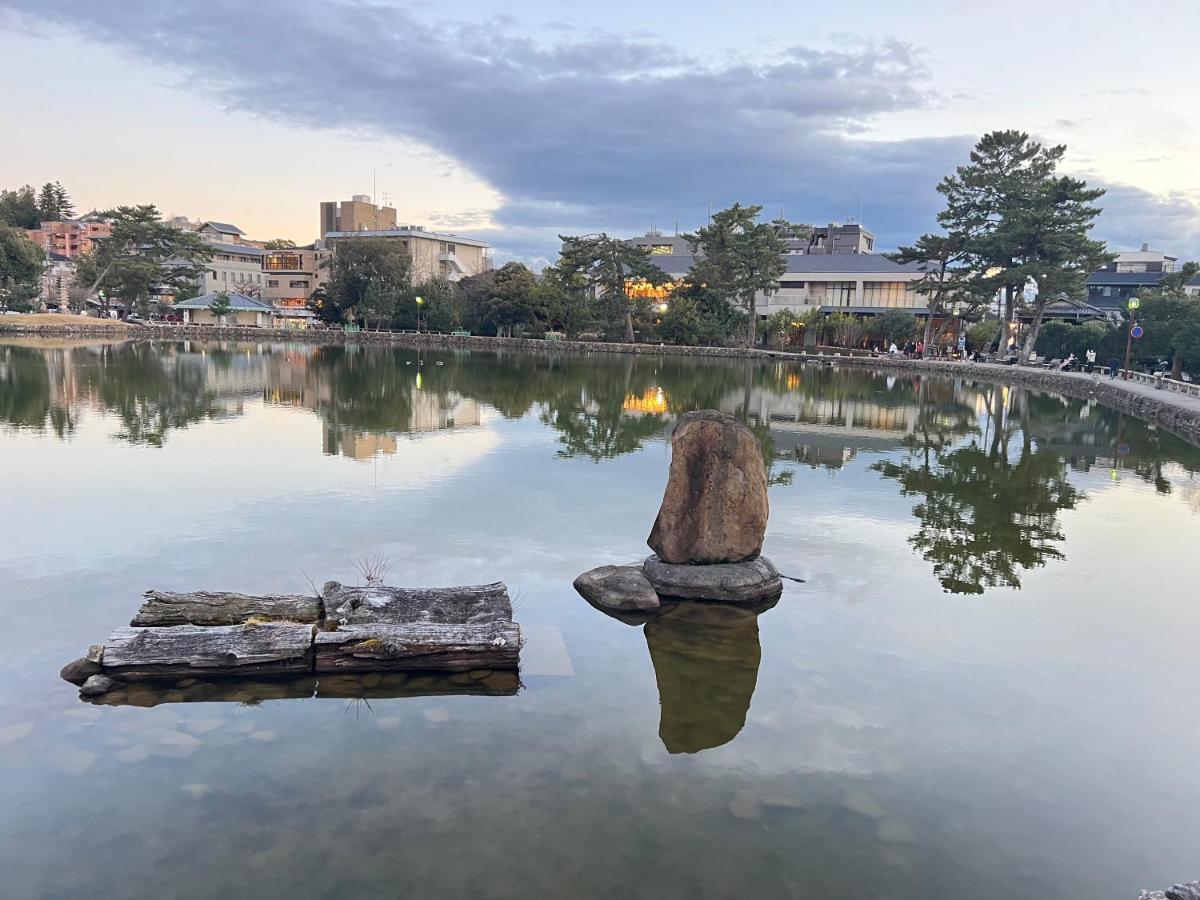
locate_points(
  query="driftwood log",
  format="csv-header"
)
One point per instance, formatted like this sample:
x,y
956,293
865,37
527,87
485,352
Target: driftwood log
x,y
352,630
163,608
445,648
182,650
376,603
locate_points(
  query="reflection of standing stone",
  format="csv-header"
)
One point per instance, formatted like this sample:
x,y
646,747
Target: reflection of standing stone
x,y
705,660
715,506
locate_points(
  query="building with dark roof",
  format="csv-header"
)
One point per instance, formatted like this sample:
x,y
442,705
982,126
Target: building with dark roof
x,y
1110,290
244,310
1193,285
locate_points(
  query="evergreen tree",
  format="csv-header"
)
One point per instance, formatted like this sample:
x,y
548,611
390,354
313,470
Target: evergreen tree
x,y
606,265
739,257
20,269
19,208
1018,220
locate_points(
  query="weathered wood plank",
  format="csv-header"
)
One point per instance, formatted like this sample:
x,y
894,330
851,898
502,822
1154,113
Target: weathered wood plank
x,y
375,603
190,650
165,608
422,647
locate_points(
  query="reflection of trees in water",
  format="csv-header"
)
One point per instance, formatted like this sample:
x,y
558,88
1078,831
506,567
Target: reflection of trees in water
x,y
987,512
151,392
146,388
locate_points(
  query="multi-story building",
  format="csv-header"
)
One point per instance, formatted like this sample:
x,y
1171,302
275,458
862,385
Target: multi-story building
x,y
355,214
290,276
434,254
236,263
1131,272
70,238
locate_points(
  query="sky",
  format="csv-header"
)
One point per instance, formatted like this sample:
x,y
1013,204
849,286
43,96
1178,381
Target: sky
x,y
518,122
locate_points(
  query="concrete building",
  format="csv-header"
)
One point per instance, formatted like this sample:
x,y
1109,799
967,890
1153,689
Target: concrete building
x,y
70,238
244,311
291,276
355,214
836,239
434,254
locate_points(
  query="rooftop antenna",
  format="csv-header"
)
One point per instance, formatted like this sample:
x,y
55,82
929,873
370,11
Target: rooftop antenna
x,y
372,187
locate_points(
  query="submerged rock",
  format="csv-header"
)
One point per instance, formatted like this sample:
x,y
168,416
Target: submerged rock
x,y
80,670
715,506
621,588
749,582
96,685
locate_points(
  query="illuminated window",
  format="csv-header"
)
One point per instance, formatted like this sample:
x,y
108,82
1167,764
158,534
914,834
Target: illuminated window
x,y
297,284
887,294
662,249
281,262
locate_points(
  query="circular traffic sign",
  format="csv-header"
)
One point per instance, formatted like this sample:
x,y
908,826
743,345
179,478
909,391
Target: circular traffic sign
x,y
1137,331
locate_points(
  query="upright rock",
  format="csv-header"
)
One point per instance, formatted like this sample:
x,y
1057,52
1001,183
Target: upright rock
x,y
715,506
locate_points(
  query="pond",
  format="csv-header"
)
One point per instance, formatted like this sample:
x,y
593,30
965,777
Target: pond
x,y
983,686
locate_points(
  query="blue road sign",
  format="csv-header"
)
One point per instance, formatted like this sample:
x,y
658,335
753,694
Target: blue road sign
x,y
1136,331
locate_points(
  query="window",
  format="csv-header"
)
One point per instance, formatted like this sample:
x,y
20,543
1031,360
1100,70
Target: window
x,y
832,293
281,262
662,249
297,284
893,294
272,282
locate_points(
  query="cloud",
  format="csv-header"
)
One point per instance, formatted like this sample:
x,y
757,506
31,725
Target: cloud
x,y
582,131
1133,216
577,132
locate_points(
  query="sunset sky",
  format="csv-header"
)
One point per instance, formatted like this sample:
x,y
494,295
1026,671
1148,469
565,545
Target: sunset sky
x,y
518,122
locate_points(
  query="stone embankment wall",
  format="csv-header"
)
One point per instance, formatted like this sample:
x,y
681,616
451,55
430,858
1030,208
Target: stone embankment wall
x,y
1178,414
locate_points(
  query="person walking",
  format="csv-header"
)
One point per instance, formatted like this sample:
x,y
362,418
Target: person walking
x,y
1091,359
1114,366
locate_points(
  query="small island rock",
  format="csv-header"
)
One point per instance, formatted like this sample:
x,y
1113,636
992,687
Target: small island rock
x,y
621,588
715,508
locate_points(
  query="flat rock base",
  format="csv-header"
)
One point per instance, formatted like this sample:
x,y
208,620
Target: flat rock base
x,y
618,589
744,583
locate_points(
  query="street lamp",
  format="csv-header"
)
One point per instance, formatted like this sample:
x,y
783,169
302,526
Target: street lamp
x,y
420,303
1132,306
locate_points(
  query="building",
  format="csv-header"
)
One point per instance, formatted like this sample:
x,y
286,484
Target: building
x,y
355,214
433,253
829,271
70,238
244,311
221,233
858,283
1193,285
290,276
836,239
1144,260
1110,290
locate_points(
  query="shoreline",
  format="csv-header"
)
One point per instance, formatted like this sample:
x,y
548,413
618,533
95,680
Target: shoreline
x,y
1177,413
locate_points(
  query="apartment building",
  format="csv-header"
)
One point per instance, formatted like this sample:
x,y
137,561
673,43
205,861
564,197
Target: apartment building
x,y
434,254
356,214
70,238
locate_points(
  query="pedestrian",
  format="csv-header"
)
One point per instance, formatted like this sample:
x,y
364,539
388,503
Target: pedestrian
x,y
893,349
1091,359
1114,366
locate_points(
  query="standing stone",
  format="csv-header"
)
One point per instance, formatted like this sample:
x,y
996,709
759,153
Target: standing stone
x,y
715,506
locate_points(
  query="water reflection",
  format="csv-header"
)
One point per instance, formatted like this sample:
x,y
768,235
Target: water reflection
x,y
988,467
706,658
374,686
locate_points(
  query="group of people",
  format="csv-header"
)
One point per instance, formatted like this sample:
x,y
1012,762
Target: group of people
x,y
910,349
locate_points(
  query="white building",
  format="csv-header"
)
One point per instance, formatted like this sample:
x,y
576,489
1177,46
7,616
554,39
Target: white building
x,y
235,264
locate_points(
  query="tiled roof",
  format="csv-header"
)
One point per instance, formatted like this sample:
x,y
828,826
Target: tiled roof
x,y
1113,278
244,249
236,301
223,227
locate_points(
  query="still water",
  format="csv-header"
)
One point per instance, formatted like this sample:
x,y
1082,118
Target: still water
x,y
985,685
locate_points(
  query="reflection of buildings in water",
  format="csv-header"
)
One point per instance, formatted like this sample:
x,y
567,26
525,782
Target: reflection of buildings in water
x,y
357,444
290,381
705,659
430,412
652,401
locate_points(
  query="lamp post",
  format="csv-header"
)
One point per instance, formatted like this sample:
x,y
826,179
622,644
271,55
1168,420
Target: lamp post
x,y
1132,306
420,303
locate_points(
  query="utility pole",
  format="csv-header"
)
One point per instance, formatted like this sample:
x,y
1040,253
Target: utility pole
x,y
1133,305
